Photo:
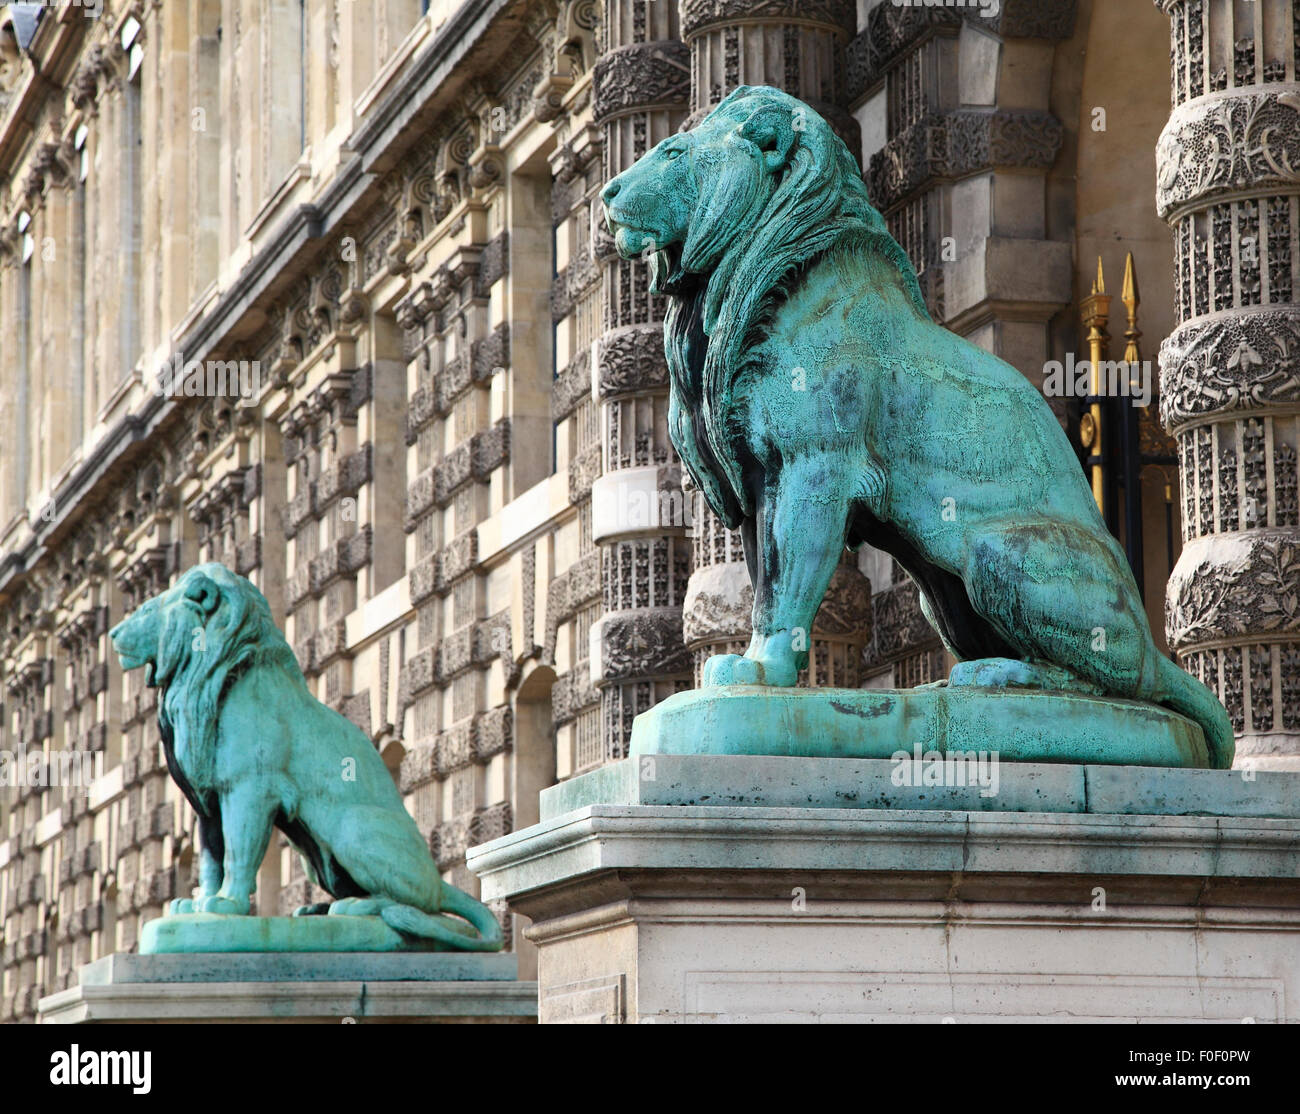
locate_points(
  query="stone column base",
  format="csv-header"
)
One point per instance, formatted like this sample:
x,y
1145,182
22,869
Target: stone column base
x,y
1162,896
296,987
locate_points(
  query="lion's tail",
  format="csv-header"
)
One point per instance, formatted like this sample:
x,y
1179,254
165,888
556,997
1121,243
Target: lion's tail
x,y
483,936
1182,692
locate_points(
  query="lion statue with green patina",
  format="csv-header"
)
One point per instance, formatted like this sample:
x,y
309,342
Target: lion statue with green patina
x,y
816,405
253,750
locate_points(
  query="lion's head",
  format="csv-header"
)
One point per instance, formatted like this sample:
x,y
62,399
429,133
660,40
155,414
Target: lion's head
x,y
728,214
193,640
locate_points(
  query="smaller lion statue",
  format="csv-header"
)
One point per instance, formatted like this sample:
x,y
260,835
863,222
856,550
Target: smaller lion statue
x,y
253,750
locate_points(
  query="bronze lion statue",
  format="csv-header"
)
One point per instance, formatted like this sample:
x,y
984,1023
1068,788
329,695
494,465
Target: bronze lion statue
x,y
816,405
253,750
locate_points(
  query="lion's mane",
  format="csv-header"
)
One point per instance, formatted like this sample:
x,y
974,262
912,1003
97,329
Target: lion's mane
x,y
200,656
752,235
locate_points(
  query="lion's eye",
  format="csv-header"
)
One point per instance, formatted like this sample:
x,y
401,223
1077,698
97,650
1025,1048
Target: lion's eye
x,y
672,152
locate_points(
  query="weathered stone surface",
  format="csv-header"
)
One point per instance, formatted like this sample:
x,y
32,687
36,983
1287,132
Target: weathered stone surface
x,y
764,911
734,781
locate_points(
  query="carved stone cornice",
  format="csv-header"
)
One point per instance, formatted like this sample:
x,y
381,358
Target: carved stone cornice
x,y
1231,361
1235,587
1233,142
642,76
959,144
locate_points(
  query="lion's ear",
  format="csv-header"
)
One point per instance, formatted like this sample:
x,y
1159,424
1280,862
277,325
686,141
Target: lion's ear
x,y
771,130
203,591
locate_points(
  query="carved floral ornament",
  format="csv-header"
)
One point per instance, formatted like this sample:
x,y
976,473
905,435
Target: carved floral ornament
x,y
1235,361
1235,585
1227,142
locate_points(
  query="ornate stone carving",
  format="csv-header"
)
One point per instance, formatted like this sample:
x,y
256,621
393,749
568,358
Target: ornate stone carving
x,y
572,386
631,360
642,75
697,15
962,143
1231,362
1227,142
900,627
1229,586
642,643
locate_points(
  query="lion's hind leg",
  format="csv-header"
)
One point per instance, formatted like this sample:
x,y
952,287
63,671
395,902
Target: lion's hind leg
x,y
1000,673
1065,600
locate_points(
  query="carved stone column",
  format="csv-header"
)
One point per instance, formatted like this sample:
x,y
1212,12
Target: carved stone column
x,y
1227,184
638,512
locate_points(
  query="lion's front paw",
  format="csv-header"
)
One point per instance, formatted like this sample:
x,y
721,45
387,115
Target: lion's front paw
x,y
217,903
180,905
732,669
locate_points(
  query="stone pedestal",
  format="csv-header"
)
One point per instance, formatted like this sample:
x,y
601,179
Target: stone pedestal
x,y
789,889
297,987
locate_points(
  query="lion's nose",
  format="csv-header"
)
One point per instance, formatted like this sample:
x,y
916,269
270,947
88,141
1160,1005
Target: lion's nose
x,y
610,191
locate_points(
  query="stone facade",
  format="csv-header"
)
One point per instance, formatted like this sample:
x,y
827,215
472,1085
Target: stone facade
x,y
447,466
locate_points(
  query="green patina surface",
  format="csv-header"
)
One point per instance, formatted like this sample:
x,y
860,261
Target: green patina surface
x,y
253,750
214,932
1018,725
817,406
